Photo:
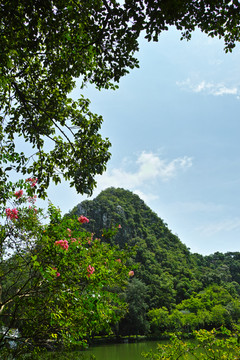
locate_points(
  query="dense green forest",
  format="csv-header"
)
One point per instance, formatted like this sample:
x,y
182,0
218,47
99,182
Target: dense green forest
x,y
172,289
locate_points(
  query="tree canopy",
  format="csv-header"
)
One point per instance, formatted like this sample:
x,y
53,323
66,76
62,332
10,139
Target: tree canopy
x,y
46,45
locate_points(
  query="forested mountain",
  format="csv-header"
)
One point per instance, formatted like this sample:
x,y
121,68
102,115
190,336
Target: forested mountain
x,y
166,272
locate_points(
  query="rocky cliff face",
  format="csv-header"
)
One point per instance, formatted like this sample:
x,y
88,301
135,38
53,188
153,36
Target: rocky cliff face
x,y
118,206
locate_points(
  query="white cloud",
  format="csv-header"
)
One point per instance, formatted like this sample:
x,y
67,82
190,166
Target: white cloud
x,y
216,89
149,168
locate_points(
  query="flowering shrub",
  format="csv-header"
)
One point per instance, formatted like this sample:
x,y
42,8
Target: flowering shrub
x,y
52,284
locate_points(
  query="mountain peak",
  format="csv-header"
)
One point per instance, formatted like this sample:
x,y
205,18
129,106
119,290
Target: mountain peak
x,y
115,206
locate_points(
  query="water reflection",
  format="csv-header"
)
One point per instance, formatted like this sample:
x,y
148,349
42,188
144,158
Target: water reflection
x,y
126,351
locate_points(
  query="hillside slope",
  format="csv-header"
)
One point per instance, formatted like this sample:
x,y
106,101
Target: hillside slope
x,y
166,273
164,261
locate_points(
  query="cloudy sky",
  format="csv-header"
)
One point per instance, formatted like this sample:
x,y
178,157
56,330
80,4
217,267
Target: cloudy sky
x,y
174,127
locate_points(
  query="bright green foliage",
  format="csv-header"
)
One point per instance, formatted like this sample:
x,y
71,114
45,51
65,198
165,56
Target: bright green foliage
x,y
59,283
159,319
46,45
216,345
210,308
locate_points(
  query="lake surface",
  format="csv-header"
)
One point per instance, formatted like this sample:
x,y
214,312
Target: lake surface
x,y
126,351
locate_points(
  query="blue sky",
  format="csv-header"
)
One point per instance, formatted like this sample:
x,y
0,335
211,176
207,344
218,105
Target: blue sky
x,y
174,128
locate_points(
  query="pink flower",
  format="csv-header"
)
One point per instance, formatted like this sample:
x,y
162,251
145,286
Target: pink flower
x,y
57,274
62,243
119,226
69,232
33,181
73,240
90,270
131,273
12,214
19,194
118,260
82,219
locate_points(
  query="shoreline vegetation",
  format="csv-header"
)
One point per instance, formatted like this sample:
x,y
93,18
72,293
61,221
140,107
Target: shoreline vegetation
x,y
216,344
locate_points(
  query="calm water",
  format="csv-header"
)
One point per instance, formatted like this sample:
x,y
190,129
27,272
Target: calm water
x,y
127,351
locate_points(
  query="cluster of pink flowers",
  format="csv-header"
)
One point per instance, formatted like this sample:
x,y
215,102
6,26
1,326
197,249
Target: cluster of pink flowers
x,y
12,213
62,243
33,181
90,270
131,273
19,194
82,219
